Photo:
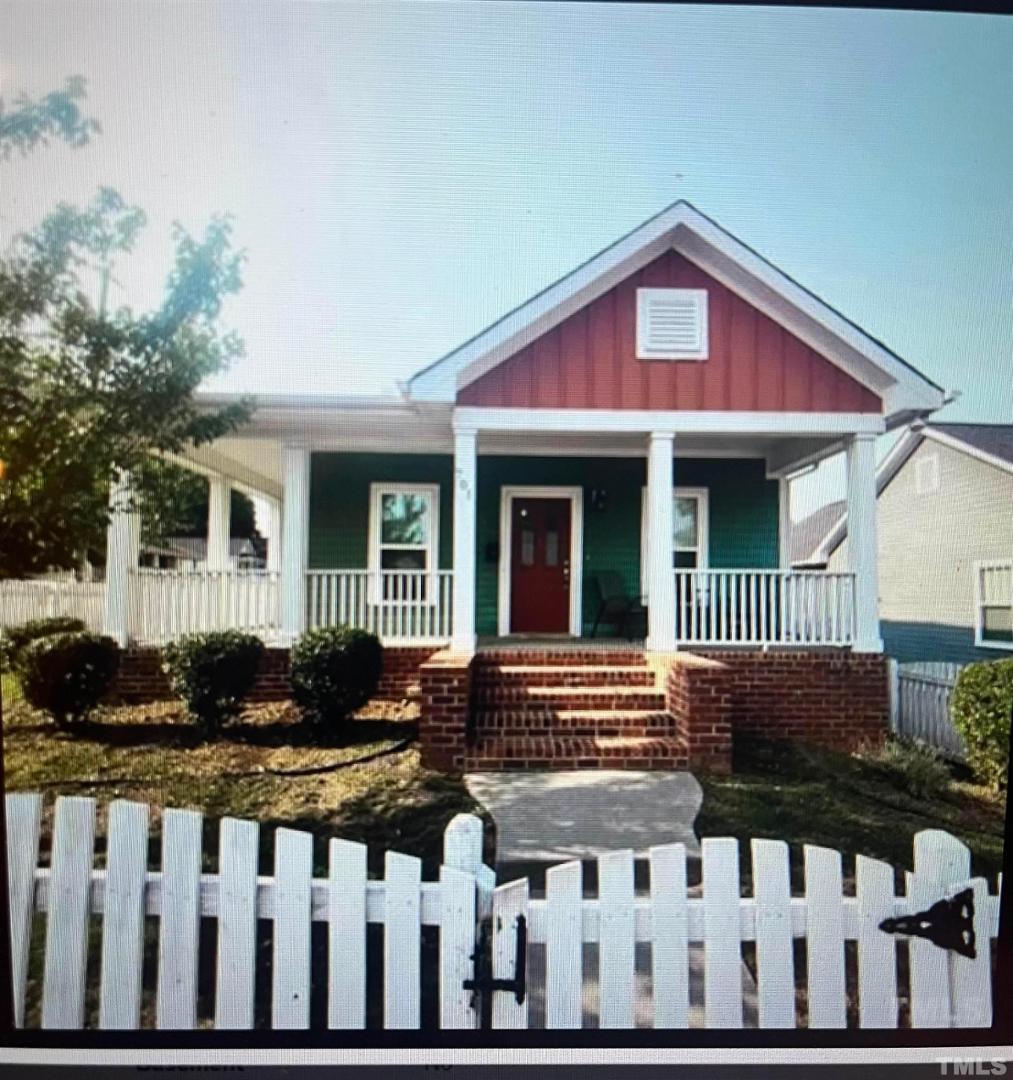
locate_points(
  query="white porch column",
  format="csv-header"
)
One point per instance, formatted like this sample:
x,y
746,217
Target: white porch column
x,y
219,520
123,543
273,535
465,476
295,538
862,540
784,522
660,577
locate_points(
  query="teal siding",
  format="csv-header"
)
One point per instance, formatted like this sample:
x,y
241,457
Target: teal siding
x,y
743,511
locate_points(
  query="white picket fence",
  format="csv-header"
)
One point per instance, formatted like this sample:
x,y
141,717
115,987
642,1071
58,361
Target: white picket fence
x,y
945,989
920,705
42,598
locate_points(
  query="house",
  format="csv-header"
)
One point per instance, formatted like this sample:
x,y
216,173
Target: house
x,y
630,429
945,525
191,553
806,536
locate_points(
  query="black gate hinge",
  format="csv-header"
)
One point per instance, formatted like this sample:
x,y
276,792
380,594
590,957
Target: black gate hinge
x,y
483,982
949,924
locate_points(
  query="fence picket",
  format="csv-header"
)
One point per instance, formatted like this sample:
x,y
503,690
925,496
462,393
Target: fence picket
x,y
401,938
346,942
564,946
235,980
669,935
24,825
457,945
123,916
940,860
69,907
616,940
824,889
774,964
508,903
877,963
290,981
723,945
179,930
971,979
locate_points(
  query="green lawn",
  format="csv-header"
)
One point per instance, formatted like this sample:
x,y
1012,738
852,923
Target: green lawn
x,y
856,805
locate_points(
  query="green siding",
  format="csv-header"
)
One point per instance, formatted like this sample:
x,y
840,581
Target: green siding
x,y
743,511
339,502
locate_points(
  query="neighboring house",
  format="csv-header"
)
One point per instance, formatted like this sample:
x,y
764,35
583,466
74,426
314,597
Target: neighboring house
x,y
191,553
806,535
945,526
626,435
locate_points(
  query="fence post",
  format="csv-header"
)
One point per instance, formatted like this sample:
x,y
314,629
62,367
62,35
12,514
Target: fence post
x,y
893,671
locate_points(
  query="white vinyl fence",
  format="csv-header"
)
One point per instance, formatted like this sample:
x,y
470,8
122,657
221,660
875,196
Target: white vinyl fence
x,y
112,911
41,598
920,705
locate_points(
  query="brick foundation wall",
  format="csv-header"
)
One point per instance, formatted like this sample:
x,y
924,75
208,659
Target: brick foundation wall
x,y
141,677
445,705
832,698
698,696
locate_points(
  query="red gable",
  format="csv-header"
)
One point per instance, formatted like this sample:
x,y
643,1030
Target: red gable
x,y
589,360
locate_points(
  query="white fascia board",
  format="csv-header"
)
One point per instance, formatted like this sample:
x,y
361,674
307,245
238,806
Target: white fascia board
x,y
680,422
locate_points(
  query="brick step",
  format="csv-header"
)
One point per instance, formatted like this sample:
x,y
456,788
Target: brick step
x,y
554,698
577,753
564,723
539,655
564,675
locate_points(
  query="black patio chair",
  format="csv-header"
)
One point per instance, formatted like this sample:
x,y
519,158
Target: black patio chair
x,y
614,604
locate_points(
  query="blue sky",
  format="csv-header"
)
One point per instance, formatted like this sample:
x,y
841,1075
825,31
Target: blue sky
x,y
402,174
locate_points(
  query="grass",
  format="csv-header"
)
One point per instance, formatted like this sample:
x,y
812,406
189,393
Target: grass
x,y
855,804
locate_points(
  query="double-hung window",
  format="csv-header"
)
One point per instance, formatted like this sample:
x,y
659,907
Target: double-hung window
x,y
404,522
689,531
993,603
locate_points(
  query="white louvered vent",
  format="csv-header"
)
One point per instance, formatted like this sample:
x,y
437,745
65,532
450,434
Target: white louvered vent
x,y
671,324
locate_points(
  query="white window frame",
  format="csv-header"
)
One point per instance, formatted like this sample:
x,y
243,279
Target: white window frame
x,y
377,491
702,496
979,605
645,351
927,474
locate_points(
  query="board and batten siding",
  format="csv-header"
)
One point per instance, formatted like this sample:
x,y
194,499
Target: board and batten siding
x,y
742,511
928,545
589,360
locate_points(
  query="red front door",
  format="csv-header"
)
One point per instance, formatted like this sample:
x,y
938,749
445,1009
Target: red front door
x,y
540,566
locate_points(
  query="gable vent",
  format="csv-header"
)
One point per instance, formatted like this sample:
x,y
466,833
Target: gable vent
x,y
671,324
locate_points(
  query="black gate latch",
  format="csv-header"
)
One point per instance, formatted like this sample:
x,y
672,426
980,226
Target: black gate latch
x,y
949,923
483,982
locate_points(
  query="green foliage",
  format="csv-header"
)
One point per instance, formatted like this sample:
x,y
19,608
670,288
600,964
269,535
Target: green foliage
x,y
335,671
213,673
918,769
33,123
86,391
17,637
981,708
66,675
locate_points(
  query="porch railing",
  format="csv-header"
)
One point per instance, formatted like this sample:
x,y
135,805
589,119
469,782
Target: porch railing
x,y
764,607
168,603
397,605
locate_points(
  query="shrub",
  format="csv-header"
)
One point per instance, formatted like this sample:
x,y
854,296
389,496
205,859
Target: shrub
x,y
17,637
918,768
213,673
981,705
334,672
67,675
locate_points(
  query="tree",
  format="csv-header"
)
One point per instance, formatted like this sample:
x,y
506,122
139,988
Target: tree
x,y
86,392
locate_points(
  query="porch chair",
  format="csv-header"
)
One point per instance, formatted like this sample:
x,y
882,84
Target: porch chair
x,y
614,603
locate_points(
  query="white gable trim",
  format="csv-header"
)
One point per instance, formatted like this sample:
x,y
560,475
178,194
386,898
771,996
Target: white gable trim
x,y
686,230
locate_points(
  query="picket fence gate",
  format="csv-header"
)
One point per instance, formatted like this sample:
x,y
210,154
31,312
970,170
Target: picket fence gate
x,y
945,989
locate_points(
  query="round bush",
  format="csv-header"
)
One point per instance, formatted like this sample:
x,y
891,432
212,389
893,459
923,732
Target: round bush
x,y
213,673
334,672
17,637
981,706
66,675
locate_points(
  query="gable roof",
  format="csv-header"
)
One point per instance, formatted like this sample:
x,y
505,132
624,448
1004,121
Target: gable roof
x,y
989,443
805,535
905,391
